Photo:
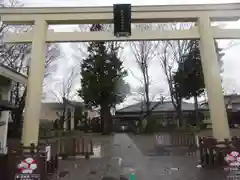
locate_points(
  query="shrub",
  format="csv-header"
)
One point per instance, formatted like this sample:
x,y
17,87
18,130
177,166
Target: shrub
x,y
151,126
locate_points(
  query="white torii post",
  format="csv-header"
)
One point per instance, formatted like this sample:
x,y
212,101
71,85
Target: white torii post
x,y
212,80
30,131
5,91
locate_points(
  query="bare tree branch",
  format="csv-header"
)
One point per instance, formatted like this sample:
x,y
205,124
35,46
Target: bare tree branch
x,y
144,52
64,87
137,78
63,92
170,55
232,44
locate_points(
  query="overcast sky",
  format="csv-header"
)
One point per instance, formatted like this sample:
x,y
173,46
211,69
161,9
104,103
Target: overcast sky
x,y
231,59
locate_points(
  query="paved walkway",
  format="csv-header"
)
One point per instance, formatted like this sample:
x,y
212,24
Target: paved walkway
x,y
132,158
177,167
120,154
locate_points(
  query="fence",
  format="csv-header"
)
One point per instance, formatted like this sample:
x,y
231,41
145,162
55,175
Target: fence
x,y
74,147
176,139
212,152
65,147
183,139
176,143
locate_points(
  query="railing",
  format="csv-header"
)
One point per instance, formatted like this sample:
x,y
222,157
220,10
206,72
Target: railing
x,y
3,166
46,134
177,143
177,138
183,139
63,147
74,147
212,152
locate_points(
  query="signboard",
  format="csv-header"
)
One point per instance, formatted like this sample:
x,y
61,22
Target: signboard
x,y
27,177
163,139
233,160
27,166
26,169
122,19
48,151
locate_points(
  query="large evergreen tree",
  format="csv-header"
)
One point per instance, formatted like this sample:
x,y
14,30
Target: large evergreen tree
x,y
190,72
189,79
102,80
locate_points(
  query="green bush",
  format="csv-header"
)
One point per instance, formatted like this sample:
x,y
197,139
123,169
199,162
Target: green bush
x,y
45,128
203,126
151,126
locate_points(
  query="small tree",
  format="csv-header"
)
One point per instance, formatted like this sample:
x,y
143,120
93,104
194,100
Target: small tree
x,y
144,52
64,93
170,55
102,80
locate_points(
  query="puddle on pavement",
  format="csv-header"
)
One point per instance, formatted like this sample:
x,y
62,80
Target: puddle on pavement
x,y
63,173
126,171
127,168
108,178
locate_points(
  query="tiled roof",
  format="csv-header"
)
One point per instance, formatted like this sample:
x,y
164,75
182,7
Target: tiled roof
x,y
2,123
6,106
57,105
232,101
14,71
233,98
12,74
163,106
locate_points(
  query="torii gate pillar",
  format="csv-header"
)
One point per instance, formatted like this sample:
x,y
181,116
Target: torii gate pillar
x,y
212,80
30,131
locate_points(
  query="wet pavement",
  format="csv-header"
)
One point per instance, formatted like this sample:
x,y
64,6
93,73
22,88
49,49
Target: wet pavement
x,y
102,164
115,156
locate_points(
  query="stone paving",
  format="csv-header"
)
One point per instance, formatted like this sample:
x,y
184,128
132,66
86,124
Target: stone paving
x,y
122,152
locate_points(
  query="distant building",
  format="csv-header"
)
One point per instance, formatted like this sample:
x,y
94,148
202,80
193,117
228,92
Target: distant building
x,y
7,76
232,103
54,110
164,112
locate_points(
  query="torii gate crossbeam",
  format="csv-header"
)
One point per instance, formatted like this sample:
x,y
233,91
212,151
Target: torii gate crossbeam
x,y
40,18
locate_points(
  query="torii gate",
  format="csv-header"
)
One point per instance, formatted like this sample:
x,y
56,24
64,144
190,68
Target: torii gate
x,y
42,17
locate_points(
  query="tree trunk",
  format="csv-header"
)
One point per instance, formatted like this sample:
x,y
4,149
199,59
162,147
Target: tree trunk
x,y
106,119
147,100
196,111
102,118
181,121
17,123
17,114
